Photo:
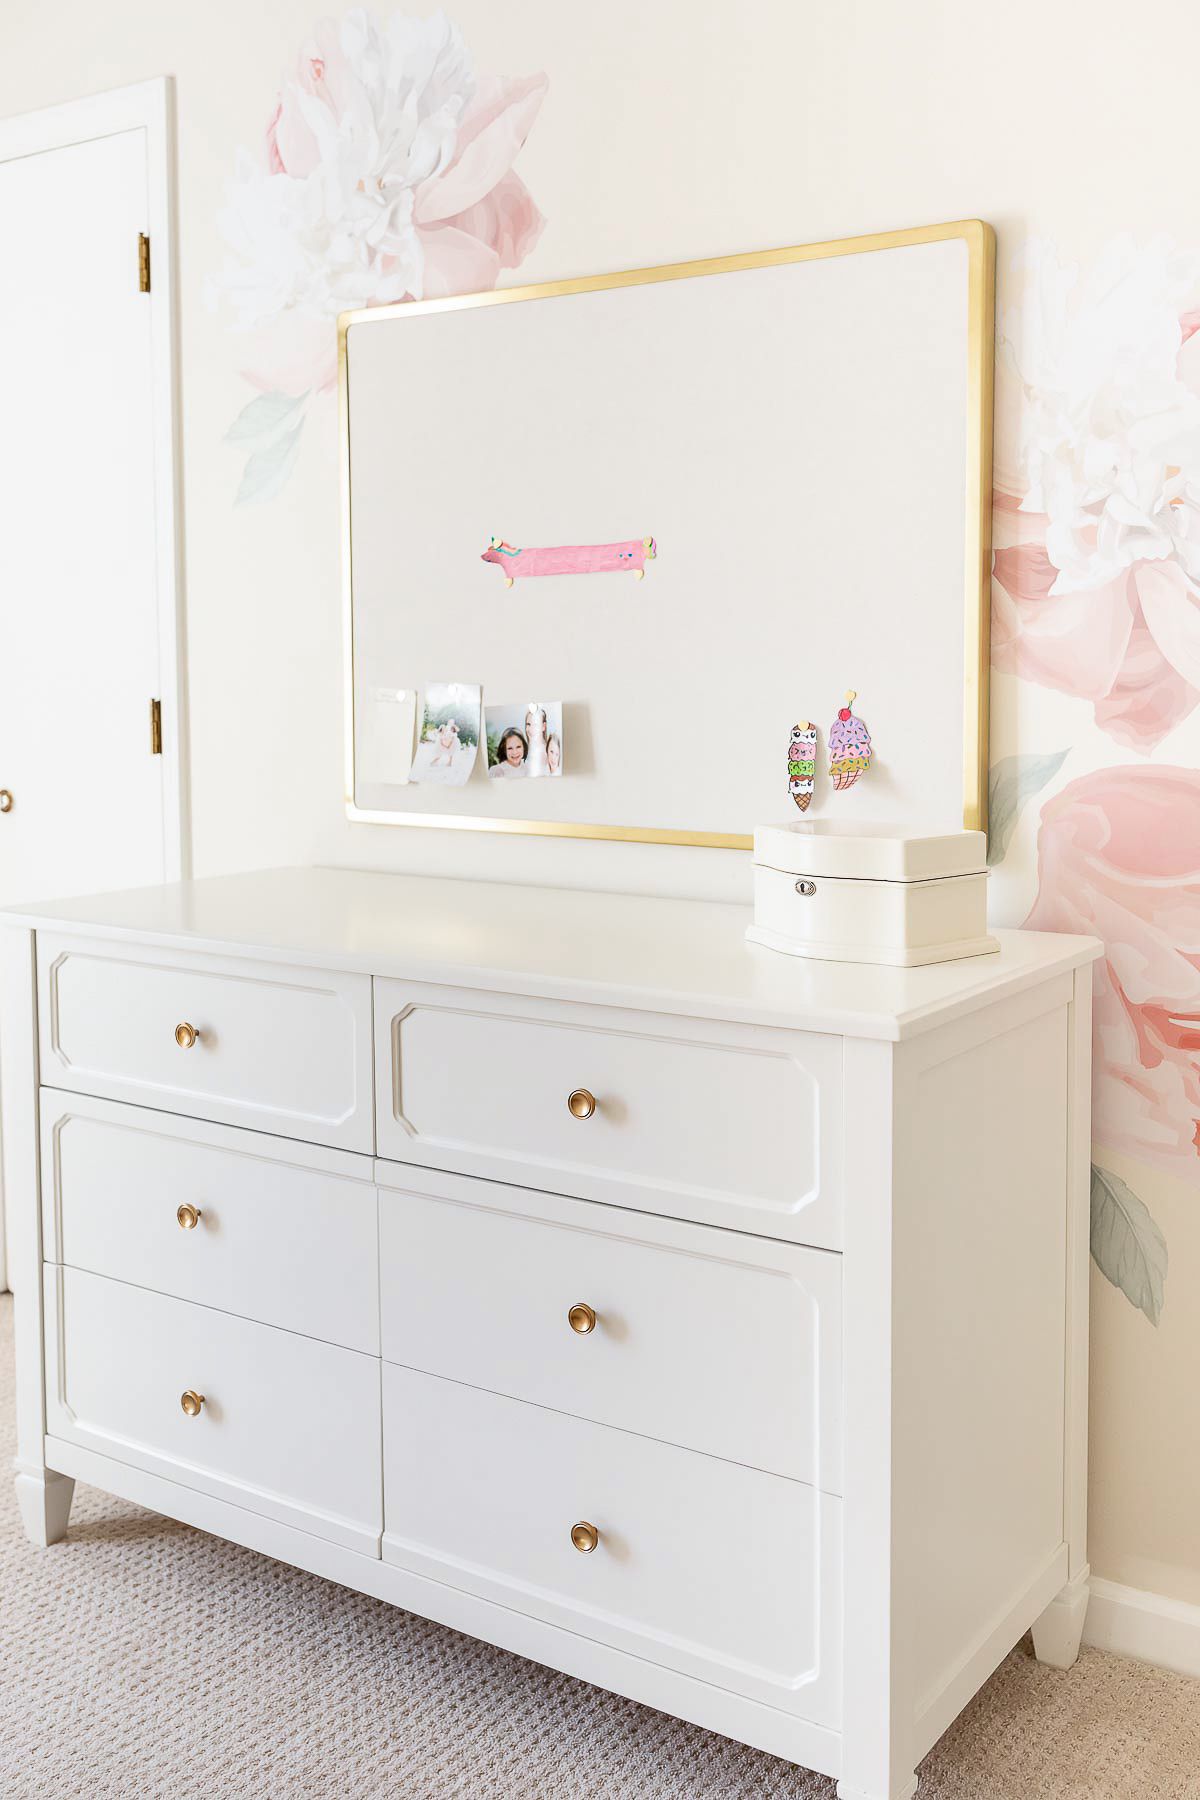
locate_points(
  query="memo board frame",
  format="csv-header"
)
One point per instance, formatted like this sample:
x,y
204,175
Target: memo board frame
x,y
979,241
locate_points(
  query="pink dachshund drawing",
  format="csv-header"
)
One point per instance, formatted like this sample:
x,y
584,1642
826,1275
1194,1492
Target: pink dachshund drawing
x,y
571,559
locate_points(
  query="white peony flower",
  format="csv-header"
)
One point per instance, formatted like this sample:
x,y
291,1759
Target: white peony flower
x,y
388,175
1110,438
327,223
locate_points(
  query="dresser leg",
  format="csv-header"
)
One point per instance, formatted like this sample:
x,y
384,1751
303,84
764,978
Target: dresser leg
x,y
903,1790
1057,1634
45,1502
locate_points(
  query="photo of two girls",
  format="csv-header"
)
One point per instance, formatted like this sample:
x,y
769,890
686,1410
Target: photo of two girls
x,y
524,740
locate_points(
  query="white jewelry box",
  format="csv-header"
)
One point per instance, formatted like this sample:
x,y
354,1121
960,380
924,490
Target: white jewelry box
x,y
870,893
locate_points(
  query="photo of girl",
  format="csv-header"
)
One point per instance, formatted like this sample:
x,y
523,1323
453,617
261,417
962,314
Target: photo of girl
x,y
511,752
449,734
524,741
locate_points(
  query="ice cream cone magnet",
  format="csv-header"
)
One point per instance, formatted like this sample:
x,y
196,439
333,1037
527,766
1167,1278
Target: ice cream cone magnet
x,y
802,763
849,745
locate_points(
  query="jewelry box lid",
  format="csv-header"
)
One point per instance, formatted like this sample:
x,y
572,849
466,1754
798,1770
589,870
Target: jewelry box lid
x,y
868,852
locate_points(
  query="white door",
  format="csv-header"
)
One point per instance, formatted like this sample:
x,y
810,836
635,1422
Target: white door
x,y
79,654
87,520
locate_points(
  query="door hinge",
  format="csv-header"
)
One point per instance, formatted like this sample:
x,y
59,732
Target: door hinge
x,y
143,263
156,728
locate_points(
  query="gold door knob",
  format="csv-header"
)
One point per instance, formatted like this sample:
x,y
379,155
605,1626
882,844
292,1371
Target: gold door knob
x,y
191,1403
186,1035
581,1104
581,1318
585,1537
6,801
189,1217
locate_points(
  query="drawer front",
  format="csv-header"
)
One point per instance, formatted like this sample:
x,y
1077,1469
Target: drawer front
x,y
703,1566
280,1049
729,1125
284,1234
288,1428
714,1340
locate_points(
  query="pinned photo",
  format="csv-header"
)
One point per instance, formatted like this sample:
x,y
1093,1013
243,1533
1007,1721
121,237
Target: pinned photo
x,y
524,741
449,734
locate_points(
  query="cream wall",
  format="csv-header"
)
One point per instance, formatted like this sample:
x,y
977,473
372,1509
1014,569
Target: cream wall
x,y
672,128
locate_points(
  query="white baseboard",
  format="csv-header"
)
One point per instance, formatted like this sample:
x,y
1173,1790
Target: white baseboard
x,y
1132,1622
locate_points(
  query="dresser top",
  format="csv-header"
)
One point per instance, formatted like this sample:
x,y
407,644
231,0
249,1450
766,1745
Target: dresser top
x,y
653,954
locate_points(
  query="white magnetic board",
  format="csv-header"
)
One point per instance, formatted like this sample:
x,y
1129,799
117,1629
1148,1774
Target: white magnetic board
x,y
803,436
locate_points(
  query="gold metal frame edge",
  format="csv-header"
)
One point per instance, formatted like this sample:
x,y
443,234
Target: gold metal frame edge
x,y
977,576
979,239
624,834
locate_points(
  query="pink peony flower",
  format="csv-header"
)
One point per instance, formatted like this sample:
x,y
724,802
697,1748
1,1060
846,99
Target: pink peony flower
x,y
1094,645
1119,859
1096,587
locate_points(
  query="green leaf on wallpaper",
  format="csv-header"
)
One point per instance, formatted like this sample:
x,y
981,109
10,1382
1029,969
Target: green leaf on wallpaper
x,y
1013,781
267,470
1128,1248
263,417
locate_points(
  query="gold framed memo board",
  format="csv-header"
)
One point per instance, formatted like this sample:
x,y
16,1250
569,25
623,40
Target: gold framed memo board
x,y
805,435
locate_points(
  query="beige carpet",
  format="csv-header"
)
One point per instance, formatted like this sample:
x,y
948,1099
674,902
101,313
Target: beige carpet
x,y
141,1658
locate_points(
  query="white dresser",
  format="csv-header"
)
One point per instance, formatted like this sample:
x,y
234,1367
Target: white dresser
x,y
701,1322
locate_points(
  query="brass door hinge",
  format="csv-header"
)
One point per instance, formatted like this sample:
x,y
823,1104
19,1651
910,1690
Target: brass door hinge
x,y
156,728
143,263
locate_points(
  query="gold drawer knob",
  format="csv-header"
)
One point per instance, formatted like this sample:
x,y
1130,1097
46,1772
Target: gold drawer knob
x,y
585,1537
581,1104
189,1217
6,800
191,1403
185,1035
582,1318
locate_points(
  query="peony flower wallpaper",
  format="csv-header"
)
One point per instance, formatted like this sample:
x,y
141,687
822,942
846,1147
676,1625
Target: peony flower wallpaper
x,y
1096,596
385,173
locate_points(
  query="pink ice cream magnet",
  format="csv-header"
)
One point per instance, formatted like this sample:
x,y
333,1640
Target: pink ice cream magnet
x,y
850,749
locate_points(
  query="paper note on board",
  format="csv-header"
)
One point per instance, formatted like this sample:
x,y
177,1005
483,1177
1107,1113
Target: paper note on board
x,y
386,753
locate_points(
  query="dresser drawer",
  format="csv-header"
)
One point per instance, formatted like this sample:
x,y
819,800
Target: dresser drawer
x,y
285,1234
702,1566
280,1049
288,1427
714,1340
729,1125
